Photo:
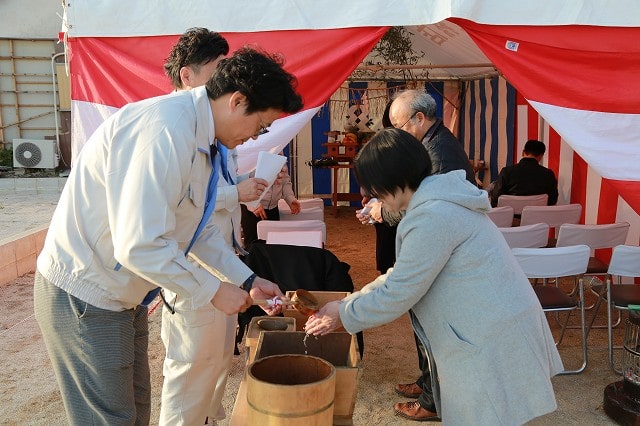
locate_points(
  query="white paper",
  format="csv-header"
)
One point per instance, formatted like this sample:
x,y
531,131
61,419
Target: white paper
x,y
267,168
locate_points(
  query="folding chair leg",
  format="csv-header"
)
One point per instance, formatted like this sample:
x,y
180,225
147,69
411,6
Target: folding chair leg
x,y
584,335
610,330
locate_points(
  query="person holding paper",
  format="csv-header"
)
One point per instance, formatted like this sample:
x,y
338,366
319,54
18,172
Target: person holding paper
x,y
267,209
201,368
133,217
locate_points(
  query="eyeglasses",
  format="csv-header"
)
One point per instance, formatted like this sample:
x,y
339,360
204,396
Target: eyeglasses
x,y
408,120
261,131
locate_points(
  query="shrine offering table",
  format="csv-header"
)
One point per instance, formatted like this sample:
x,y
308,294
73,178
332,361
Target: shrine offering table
x,y
340,196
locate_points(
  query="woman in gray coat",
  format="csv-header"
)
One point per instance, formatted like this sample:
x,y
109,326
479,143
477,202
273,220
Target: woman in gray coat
x,y
491,351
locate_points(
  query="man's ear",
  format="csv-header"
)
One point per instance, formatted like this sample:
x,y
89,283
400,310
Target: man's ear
x,y
237,100
185,77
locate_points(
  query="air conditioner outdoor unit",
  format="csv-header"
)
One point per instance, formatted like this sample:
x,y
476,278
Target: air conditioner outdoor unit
x,y
35,154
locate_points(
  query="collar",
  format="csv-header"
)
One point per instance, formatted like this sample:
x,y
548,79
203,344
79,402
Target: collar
x,y
432,130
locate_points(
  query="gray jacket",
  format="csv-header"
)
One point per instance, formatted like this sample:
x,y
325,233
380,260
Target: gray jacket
x,y
491,351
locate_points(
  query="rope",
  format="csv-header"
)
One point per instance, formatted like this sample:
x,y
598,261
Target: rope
x,y
17,324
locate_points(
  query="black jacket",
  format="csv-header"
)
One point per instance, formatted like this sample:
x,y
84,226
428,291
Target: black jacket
x,y
526,178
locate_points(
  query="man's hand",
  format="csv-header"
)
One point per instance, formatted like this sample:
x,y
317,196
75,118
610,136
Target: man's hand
x,y
230,299
251,189
265,289
295,206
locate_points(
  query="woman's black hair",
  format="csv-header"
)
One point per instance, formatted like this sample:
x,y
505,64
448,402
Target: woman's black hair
x,y
392,159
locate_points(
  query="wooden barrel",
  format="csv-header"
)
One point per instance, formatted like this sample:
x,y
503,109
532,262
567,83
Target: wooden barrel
x,y
290,390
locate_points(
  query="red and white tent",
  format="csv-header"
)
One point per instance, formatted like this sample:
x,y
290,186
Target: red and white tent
x,y
575,62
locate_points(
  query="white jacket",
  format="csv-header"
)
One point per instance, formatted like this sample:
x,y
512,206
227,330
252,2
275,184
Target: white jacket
x,y
132,204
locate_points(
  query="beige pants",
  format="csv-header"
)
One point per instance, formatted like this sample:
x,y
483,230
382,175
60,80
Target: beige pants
x,y
199,349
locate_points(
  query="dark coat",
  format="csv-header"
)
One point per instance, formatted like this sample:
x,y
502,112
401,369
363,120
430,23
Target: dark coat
x,y
526,178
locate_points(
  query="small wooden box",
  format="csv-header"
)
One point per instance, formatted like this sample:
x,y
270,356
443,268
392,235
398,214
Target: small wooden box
x,y
254,331
323,297
344,150
340,349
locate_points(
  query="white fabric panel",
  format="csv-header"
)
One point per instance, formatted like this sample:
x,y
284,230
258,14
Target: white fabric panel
x,y
528,236
501,216
296,238
595,236
281,132
553,262
86,117
553,216
266,226
157,17
518,202
615,159
625,261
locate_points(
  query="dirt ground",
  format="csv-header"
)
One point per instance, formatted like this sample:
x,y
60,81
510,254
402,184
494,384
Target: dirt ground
x,y
29,393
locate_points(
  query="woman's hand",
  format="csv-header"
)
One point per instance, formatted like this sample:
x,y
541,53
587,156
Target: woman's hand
x,y
325,320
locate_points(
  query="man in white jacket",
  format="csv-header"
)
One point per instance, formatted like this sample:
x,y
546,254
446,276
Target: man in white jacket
x,y
129,211
195,376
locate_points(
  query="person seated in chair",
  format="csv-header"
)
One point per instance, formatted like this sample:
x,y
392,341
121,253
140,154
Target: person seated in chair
x,y
268,207
527,177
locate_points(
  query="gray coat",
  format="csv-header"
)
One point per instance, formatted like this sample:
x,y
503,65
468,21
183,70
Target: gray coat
x,y
470,304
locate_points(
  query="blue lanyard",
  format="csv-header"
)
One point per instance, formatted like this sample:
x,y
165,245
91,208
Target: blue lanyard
x,y
212,189
209,205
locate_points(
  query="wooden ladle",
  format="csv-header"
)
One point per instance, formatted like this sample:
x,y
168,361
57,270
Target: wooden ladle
x,y
305,302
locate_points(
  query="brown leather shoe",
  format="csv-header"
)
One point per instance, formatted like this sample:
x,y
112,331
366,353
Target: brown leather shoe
x,y
408,390
413,411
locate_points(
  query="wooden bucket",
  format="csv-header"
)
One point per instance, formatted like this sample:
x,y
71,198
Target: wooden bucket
x,y
290,390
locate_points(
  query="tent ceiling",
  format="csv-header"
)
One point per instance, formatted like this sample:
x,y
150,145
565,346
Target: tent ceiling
x,y
440,51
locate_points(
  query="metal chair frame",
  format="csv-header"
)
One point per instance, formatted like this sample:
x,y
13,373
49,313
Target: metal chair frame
x,y
556,262
625,262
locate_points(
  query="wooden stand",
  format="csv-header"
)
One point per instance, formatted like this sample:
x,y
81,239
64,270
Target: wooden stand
x,y
341,196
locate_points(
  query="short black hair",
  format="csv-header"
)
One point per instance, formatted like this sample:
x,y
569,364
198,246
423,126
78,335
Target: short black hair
x,y
196,47
392,159
260,77
534,147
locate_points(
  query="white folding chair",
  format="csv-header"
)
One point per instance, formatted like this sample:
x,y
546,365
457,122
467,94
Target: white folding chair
x,y
528,236
554,216
598,236
501,216
296,238
518,202
625,262
310,209
557,262
266,226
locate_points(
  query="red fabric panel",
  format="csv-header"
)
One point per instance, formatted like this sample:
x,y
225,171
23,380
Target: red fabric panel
x,y
116,71
566,65
628,190
579,183
553,151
